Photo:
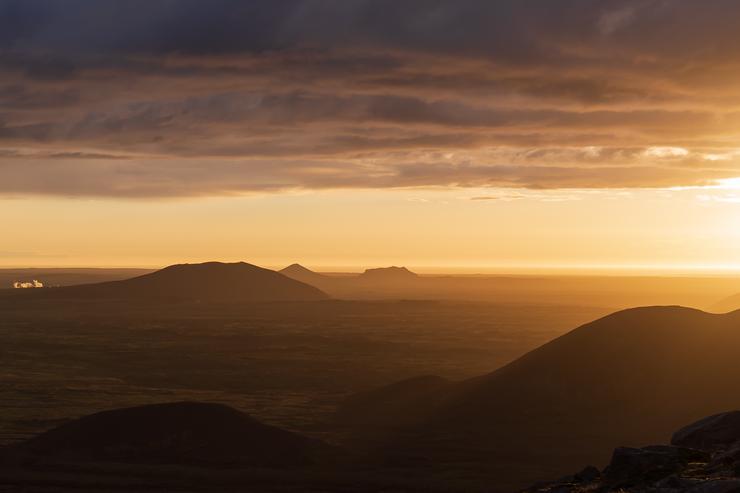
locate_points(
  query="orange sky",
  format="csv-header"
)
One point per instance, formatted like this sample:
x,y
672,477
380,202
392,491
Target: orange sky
x,y
445,135
431,230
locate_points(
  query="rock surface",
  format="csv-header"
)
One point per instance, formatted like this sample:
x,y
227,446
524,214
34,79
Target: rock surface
x,y
704,458
715,432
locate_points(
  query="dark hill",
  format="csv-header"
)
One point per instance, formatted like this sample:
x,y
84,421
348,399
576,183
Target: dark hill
x,y
208,282
630,378
175,433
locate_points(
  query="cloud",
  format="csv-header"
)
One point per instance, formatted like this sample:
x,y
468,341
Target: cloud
x,y
163,98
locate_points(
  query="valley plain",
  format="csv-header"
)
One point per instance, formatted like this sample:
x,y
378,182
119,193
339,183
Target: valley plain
x,y
289,364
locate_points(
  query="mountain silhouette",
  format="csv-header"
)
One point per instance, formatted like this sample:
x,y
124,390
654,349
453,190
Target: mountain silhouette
x,y
300,273
193,433
207,282
629,378
388,274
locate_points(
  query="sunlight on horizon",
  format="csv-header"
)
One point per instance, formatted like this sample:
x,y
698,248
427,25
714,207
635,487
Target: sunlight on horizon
x,y
465,230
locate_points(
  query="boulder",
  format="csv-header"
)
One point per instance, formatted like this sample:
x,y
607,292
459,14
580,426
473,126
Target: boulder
x,y
588,474
716,432
676,482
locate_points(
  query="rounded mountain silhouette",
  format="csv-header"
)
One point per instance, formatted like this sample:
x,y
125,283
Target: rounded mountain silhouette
x,y
207,282
192,433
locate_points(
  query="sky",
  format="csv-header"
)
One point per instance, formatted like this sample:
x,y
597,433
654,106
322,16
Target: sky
x,y
459,134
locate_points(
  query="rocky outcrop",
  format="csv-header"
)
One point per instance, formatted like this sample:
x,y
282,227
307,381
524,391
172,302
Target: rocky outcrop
x,y
713,433
704,457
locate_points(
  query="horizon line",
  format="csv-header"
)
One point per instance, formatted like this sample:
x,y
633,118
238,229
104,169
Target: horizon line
x,y
619,270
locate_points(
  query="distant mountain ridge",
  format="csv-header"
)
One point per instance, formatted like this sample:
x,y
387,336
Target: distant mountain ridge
x,y
385,282
297,271
206,282
393,283
388,274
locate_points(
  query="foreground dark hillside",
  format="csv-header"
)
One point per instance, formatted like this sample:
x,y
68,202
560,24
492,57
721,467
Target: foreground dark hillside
x,y
630,378
159,447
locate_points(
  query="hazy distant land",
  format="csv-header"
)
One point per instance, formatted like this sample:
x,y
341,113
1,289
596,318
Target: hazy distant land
x,y
428,393
705,292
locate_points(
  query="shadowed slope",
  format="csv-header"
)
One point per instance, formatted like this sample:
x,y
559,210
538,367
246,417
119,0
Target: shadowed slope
x,y
175,433
207,282
629,378
645,370
394,405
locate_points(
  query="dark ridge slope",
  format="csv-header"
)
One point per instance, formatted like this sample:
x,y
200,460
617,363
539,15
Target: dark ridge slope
x,y
629,378
175,433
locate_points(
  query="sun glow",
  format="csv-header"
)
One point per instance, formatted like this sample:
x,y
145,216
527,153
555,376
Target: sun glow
x,y
728,184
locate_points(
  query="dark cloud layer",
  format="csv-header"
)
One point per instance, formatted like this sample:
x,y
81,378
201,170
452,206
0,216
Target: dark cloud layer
x,y
148,98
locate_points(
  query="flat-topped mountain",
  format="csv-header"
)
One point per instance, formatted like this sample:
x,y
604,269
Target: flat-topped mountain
x,y
207,282
388,274
388,282
629,378
175,433
381,274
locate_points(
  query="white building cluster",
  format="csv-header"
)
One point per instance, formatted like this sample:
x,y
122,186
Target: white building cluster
x,y
27,285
